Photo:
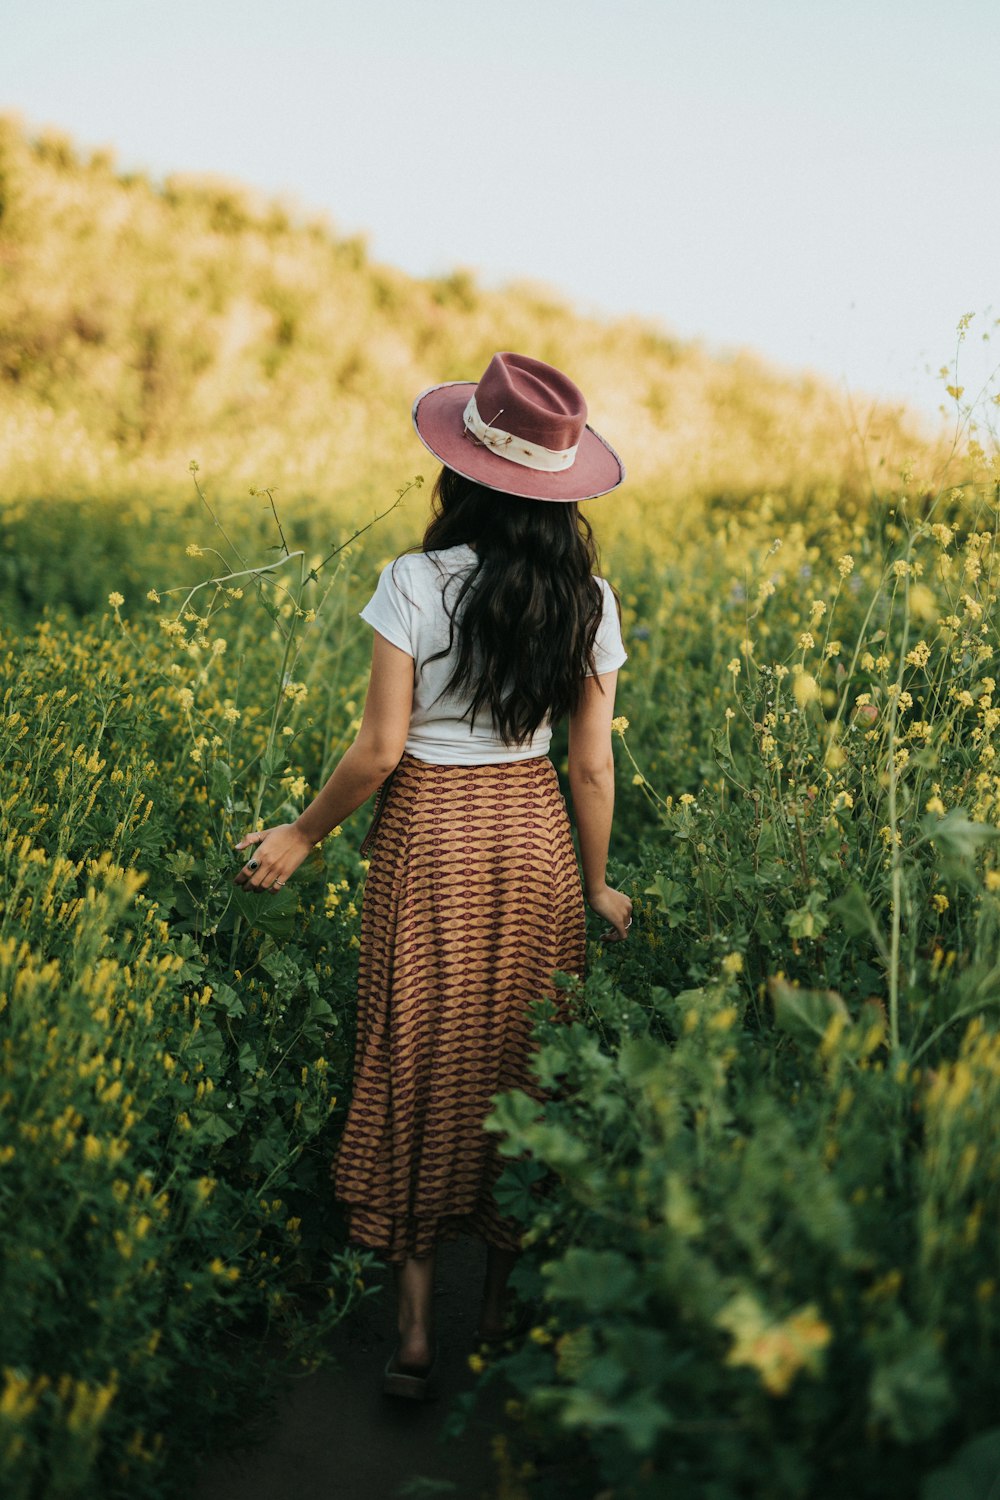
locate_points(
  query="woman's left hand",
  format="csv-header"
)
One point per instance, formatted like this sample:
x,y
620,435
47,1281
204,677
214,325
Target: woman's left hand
x,y
278,853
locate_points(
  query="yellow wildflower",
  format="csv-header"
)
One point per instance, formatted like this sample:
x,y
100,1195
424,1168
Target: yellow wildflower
x,y
115,599
805,689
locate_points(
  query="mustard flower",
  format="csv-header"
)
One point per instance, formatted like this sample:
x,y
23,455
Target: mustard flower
x,y
115,599
805,689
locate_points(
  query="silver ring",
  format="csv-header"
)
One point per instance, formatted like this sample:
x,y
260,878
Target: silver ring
x,y
628,924
278,884
252,864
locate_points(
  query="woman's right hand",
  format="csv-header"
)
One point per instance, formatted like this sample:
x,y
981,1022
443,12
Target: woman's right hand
x,y
616,908
279,853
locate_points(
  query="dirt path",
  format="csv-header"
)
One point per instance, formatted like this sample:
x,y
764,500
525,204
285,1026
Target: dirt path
x,y
336,1437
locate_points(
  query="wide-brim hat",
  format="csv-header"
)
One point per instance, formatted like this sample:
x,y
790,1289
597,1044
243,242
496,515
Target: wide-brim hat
x,y
522,428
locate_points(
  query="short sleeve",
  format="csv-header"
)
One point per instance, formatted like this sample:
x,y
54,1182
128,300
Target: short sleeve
x,y
609,649
389,611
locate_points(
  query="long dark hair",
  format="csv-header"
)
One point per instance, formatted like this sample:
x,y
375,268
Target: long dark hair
x,y
528,613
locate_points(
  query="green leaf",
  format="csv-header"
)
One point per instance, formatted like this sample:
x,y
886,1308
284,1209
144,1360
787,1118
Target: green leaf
x,y
958,835
854,912
272,912
265,1153
600,1281
246,1059
220,780
857,917
513,1190
273,761
804,1014
668,895
806,922
215,1129
226,998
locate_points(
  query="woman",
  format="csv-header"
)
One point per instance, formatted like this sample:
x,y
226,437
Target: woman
x,y
493,631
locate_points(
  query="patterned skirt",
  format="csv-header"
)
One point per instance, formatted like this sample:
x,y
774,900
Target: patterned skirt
x,y
472,900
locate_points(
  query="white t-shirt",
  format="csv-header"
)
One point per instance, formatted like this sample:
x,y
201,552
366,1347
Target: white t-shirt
x,y
408,608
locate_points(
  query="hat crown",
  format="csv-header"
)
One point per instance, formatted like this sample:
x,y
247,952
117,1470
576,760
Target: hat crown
x,y
532,400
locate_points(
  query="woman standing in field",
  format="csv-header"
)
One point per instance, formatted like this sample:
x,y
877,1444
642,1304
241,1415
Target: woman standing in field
x,y
497,628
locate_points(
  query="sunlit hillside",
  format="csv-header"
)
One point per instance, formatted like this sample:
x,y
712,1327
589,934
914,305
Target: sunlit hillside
x,y
145,324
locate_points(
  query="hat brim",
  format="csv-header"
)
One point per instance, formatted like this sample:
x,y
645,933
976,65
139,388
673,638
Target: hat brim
x,y
437,417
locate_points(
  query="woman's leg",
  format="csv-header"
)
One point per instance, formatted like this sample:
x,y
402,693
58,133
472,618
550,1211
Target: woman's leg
x,y
499,1264
415,1310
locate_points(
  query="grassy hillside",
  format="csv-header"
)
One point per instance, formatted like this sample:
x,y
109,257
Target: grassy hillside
x,y
144,324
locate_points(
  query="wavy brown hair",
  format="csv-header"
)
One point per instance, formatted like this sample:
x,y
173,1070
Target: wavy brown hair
x,y
527,615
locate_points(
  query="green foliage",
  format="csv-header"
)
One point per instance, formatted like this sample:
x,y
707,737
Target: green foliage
x,y
762,1213
760,1271
174,1055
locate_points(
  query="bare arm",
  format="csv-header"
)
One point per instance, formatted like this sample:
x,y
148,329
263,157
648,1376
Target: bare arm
x,y
361,769
592,783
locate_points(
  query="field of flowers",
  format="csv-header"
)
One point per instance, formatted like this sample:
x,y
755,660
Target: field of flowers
x,y
762,1204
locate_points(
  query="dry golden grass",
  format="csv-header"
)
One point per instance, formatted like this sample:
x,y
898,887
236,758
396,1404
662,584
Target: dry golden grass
x,y
143,325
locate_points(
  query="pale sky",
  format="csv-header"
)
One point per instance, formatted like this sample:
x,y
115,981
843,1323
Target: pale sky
x,y
815,179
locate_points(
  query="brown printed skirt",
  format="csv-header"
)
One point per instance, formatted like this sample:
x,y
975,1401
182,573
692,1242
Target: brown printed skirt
x,y
472,900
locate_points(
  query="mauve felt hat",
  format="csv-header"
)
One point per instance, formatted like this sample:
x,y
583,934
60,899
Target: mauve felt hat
x,y
522,429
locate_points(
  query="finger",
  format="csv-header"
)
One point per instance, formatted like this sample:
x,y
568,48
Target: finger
x,y
251,838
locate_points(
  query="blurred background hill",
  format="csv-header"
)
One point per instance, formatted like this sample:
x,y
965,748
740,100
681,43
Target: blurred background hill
x,y
144,324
